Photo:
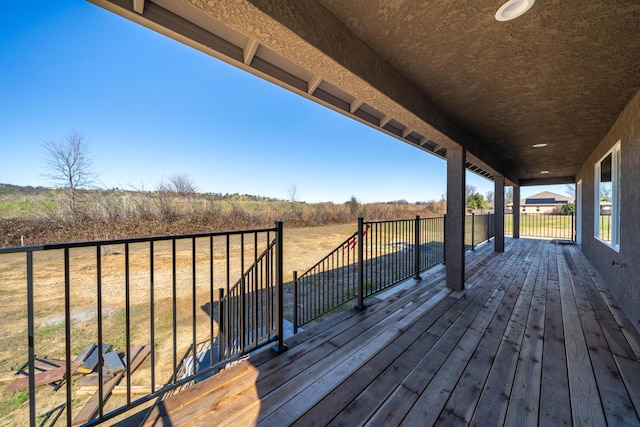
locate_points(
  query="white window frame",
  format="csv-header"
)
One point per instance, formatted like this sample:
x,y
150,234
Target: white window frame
x,y
615,198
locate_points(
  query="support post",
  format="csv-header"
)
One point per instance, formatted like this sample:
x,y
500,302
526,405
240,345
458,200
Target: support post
x,y
360,305
280,346
454,229
498,198
516,211
417,248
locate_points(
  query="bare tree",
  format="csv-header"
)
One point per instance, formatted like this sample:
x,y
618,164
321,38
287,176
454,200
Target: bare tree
x,y
182,184
69,165
508,195
570,189
293,191
469,190
489,197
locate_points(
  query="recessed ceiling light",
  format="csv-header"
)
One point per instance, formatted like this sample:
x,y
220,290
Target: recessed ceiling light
x,y
539,145
513,9
544,171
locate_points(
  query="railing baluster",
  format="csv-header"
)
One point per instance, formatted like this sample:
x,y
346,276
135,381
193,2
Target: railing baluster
x,y
416,248
227,323
152,315
295,302
212,359
473,231
221,325
99,315
174,308
193,305
67,331
127,295
243,294
31,340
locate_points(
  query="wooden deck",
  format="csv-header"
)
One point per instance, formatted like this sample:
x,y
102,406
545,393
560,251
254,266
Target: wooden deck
x,y
535,339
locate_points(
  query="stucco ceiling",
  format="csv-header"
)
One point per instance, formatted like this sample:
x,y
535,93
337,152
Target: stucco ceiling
x,y
560,74
435,73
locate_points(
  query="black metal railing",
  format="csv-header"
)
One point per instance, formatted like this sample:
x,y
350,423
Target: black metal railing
x,y
152,301
604,230
389,252
478,229
247,315
377,256
543,225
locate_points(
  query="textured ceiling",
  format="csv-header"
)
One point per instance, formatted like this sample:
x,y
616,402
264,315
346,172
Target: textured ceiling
x,y
560,74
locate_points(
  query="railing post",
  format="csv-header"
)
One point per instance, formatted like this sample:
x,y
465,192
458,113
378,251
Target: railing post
x,y
221,332
279,347
295,302
417,248
360,305
444,240
473,233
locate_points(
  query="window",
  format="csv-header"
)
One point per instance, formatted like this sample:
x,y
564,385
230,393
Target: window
x,y
537,208
607,198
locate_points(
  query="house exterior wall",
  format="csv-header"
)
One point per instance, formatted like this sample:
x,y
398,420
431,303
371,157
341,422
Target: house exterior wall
x,y
541,209
620,269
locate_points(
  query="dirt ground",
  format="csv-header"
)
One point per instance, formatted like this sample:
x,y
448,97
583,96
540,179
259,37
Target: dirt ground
x,y
302,249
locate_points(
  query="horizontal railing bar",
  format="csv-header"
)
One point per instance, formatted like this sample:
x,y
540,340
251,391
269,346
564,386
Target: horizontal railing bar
x,y
90,243
390,221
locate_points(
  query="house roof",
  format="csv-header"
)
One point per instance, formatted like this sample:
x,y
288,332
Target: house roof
x,y
546,198
438,74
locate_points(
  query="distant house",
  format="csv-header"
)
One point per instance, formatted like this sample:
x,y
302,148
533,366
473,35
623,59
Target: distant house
x,y
545,202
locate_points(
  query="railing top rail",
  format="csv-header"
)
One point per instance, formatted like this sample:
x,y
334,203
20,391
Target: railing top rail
x,y
340,246
385,221
53,246
259,259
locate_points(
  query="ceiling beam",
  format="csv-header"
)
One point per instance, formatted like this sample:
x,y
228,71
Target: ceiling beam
x,y
355,104
249,50
406,131
313,84
385,120
138,6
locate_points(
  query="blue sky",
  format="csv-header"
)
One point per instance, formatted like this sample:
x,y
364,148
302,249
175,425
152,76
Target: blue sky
x,y
151,107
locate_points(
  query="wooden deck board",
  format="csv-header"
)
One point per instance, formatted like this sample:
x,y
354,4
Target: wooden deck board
x,y
462,402
535,339
525,392
554,387
429,406
586,407
494,399
616,403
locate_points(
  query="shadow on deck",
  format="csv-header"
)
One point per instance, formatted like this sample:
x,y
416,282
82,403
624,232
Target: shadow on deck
x,y
535,339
